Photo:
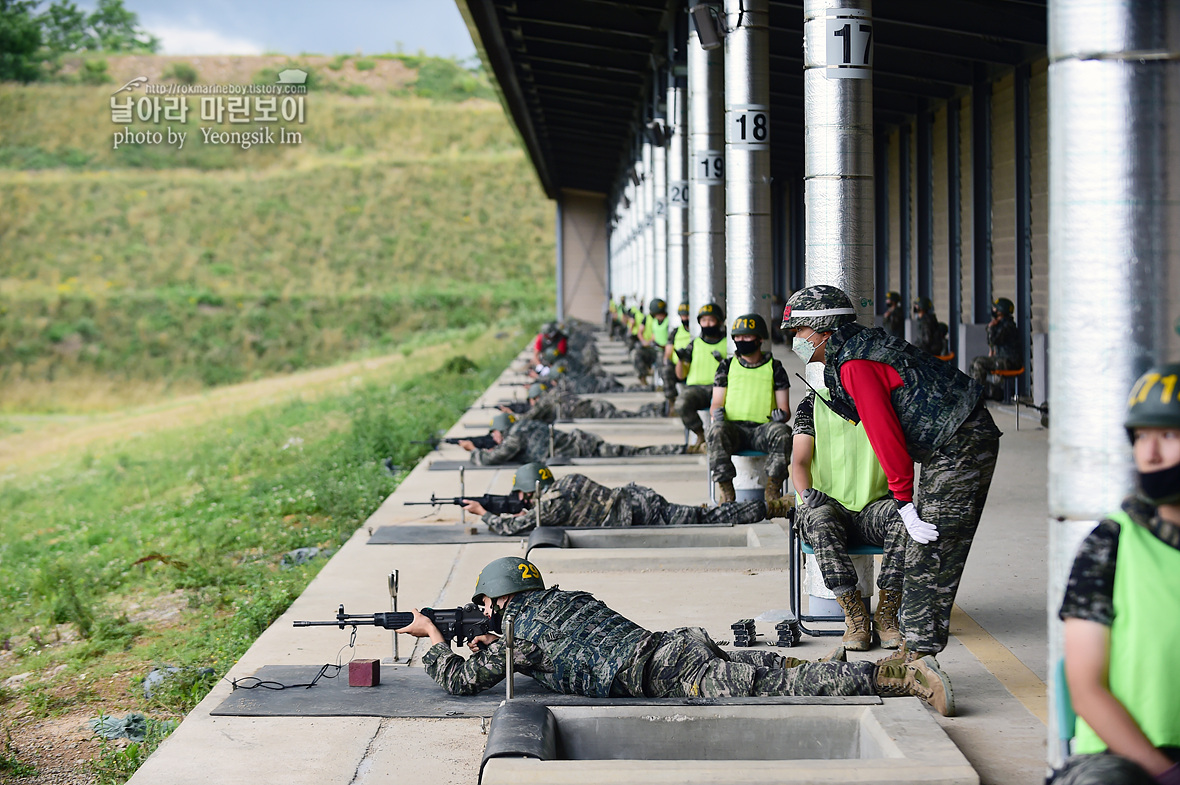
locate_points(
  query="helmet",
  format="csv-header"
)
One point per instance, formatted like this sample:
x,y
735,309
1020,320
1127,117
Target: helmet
x,y
822,308
924,304
549,328
1004,306
527,477
750,324
506,576
502,422
550,354
536,390
683,310
893,297
1154,402
714,310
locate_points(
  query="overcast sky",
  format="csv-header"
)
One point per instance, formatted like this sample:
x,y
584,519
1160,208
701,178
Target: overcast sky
x,y
297,26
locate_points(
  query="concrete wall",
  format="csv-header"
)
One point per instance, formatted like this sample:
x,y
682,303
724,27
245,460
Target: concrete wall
x,y
582,255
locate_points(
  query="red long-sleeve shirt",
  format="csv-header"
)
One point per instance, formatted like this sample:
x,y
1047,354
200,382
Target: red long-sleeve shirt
x,y
870,385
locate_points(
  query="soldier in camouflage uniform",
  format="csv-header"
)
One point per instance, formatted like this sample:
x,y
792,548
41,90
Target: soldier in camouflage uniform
x,y
582,350
528,442
927,327
577,501
1120,609
749,409
653,337
843,498
1003,347
696,365
679,339
894,319
549,406
915,408
574,644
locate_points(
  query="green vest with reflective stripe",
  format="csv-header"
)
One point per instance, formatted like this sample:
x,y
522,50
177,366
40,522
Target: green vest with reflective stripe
x,y
843,464
637,325
657,330
750,394
703,367
681,338
1144,637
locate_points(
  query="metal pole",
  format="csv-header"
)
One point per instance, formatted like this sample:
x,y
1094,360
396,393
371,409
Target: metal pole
x,y
1114,241
560,262
706,173
838,160
747,158
393,580
509,658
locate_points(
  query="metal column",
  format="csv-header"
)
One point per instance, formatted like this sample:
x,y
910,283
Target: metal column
x,y
838,160
903,217
1114,245
925,200
954,224
706,172
677,191
981,182
1023,226
747,158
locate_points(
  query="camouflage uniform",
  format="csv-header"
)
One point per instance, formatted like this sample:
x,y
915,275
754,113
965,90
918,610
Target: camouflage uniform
x,y
576,500
950,432
1101,770
561,404
723,439
572,643
692,401
829,528
928,334
645,357
528,441
894,321
1003,338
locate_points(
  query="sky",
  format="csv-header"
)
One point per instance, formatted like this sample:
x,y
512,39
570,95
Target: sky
x,y
298,26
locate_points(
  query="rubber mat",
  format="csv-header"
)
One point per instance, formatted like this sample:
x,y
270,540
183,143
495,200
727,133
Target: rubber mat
x,y
454,466
451,534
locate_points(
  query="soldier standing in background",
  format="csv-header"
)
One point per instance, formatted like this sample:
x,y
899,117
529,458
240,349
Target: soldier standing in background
x,y
697,366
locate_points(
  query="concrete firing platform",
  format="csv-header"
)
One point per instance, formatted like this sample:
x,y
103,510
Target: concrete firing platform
x,y
996,657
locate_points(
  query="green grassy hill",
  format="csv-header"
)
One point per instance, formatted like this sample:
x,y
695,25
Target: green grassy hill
x,y
152,268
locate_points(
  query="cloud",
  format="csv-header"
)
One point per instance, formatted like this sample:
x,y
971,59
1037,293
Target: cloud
x,y
195,41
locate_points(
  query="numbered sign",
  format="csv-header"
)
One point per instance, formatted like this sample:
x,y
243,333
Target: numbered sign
x,y
849,45
661,208
748,125
709,167
678,194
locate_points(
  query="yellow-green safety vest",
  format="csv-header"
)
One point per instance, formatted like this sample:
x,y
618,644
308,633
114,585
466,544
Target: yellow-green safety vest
x,y
750,394
681,338
843,464
657,330
703,367
1142,671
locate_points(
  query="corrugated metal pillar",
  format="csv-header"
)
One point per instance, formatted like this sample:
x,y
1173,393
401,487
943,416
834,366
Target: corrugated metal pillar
x,y
954,224
659,215
648,200
798,236
838,159
1023,224
1114,249
747,158
560,262
981,181
903,216
706,172
677,187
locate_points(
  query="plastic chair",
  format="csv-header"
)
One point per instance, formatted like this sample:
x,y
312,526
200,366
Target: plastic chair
x,y
1067,718
1007,380
796,547
709,471
946,358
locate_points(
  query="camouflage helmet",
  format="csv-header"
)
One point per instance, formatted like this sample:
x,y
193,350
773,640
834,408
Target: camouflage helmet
x,y
549,328
750,324
502,422
1004,306
536,390
714,310
527,477
550,354
924,304
559,368
1155,399
822,308
657,306
507,576
683,310
893,297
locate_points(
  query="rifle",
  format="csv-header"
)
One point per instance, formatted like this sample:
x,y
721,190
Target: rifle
x,y
456,624
485,442
516,407
496,505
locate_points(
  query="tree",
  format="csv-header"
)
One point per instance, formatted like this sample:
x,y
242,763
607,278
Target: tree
x,y
64,28
20,39
109,28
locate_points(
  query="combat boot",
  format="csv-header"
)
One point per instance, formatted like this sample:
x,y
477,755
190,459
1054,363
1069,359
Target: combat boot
x,y
904,654
922,679
858,636
774,489
699,447
779,508
643,379
670,407
885,619
725,492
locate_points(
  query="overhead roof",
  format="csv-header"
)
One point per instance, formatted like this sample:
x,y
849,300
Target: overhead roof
x,y
576,75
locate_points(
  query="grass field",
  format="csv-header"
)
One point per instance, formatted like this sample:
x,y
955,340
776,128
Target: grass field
x,y
205,356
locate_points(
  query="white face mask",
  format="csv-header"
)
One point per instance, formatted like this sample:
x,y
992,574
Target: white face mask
x,y
803,348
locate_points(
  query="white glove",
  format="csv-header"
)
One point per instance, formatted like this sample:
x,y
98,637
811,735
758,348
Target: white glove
x,y
920,530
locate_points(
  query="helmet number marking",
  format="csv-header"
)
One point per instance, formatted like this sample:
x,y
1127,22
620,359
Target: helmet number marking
x,y
528,571
1140,393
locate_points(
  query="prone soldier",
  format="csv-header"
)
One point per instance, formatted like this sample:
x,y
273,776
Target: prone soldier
x,y
696,365
572,643
749,410
575,501
528,442
550,405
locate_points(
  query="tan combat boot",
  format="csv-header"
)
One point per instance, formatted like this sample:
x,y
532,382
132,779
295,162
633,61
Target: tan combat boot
x,y
725,492
699,447
779,508
859,635
774,489
643,379
885,619
904,654
670,407
921,679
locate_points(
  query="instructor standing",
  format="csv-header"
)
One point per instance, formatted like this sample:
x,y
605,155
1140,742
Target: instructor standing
x,y
915,408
